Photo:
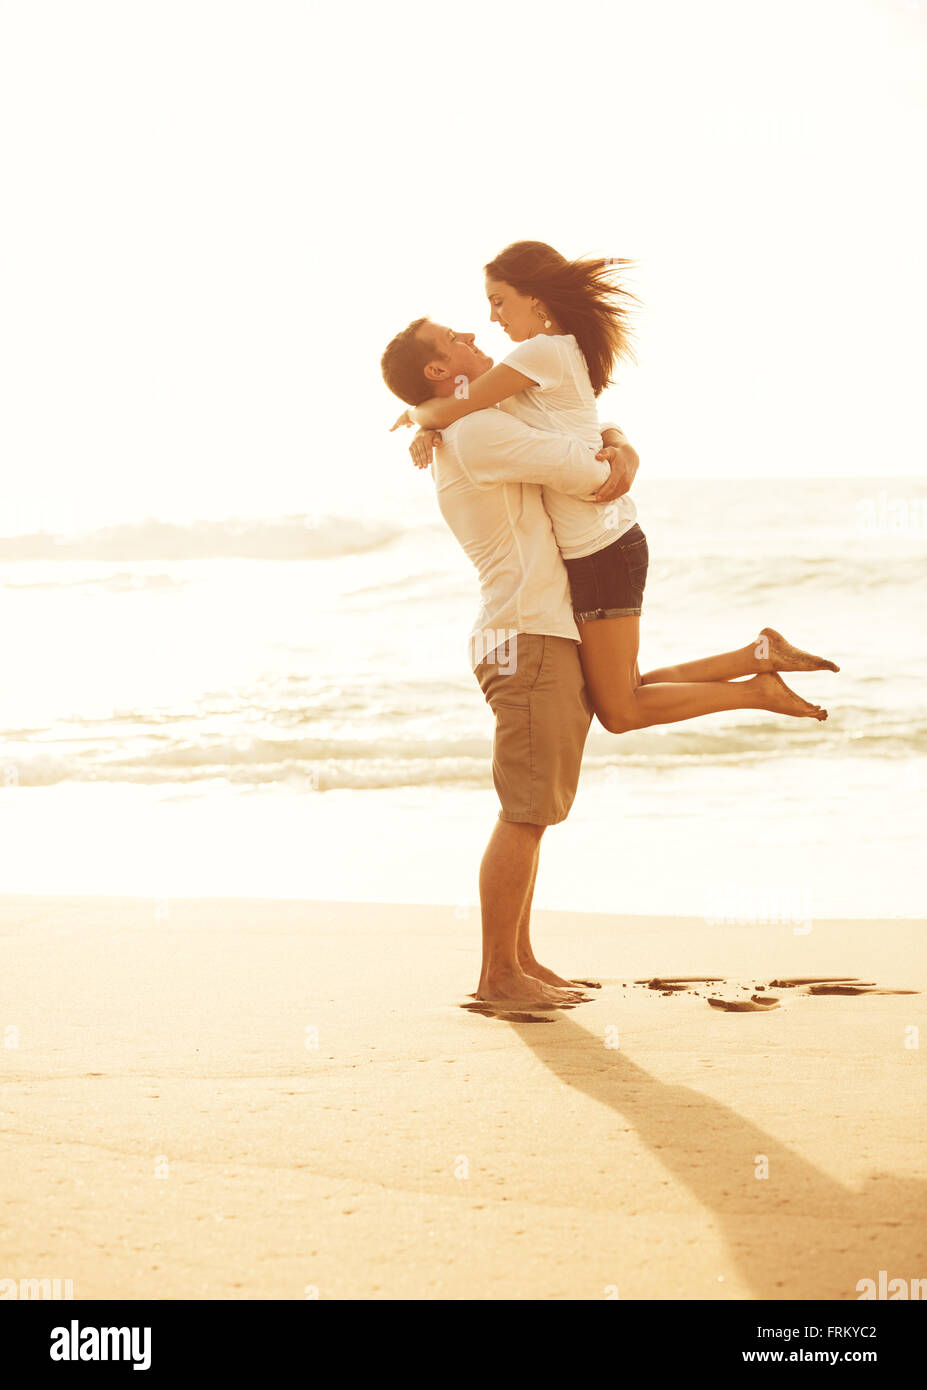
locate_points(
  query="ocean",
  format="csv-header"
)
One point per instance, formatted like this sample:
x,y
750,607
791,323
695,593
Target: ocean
x,y
284,707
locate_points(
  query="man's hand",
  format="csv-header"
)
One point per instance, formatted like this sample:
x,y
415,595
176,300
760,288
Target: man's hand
x,y
422,446
623,461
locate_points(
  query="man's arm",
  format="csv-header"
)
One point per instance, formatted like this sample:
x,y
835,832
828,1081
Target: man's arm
x,y
624,462
612,435
422,446
494,447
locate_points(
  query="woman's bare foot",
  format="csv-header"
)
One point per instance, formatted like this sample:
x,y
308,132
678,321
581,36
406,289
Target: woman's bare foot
x,y
774,695
782,656
516,985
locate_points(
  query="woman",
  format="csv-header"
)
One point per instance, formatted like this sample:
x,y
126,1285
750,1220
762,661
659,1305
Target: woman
x,y
569,321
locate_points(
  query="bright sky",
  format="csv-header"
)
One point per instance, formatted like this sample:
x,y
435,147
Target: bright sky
x,y
218,211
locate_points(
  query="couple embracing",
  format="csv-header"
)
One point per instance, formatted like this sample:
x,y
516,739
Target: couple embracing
x,y
537,492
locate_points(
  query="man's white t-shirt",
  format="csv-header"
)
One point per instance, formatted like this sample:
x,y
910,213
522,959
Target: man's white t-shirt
x,y
564,403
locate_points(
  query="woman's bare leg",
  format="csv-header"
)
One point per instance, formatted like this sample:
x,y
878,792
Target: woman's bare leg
x,y
622,702
768,652
726,667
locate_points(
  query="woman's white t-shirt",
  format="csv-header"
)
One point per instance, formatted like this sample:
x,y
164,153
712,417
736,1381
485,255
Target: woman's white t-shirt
x,y
563,402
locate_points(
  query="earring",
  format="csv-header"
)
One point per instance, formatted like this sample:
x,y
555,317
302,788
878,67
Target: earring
x,y
547,322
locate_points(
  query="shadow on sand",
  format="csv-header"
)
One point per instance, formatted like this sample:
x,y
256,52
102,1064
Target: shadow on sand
x,y
797,1233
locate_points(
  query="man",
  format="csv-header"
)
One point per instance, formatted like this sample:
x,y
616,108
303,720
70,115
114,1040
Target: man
x,y
489,471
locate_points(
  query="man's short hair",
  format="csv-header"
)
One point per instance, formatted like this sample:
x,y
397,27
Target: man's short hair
x,y
404,361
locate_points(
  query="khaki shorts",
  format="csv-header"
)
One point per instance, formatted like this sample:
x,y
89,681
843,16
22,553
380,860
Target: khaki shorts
x,y
534,686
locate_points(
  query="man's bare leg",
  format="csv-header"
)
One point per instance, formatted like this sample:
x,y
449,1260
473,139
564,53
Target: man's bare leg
x,y
507,876
524,950
768,652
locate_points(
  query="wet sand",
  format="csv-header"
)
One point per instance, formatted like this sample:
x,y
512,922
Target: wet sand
x,y
267,1099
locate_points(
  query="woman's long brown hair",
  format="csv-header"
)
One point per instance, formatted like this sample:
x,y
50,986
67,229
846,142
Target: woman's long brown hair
x,y
583,296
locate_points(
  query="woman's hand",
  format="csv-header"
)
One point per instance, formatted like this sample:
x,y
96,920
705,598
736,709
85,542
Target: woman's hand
x,y
404,419
422,446
624,463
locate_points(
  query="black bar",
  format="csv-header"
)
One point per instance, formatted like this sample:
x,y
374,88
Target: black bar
x,y
396,1336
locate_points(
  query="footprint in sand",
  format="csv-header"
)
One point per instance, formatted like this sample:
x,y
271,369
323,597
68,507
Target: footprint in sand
x,y
757,1003
791,981
856,989
509,1015
671,983
835,984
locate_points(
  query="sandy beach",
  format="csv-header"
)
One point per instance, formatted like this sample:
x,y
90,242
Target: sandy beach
x,y
281,1099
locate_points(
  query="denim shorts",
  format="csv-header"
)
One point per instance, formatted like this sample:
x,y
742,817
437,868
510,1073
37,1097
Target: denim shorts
x,y
610,583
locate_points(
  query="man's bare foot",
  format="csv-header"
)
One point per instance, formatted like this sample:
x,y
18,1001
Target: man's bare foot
x,y
516,985
782,656
773,694
550,977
